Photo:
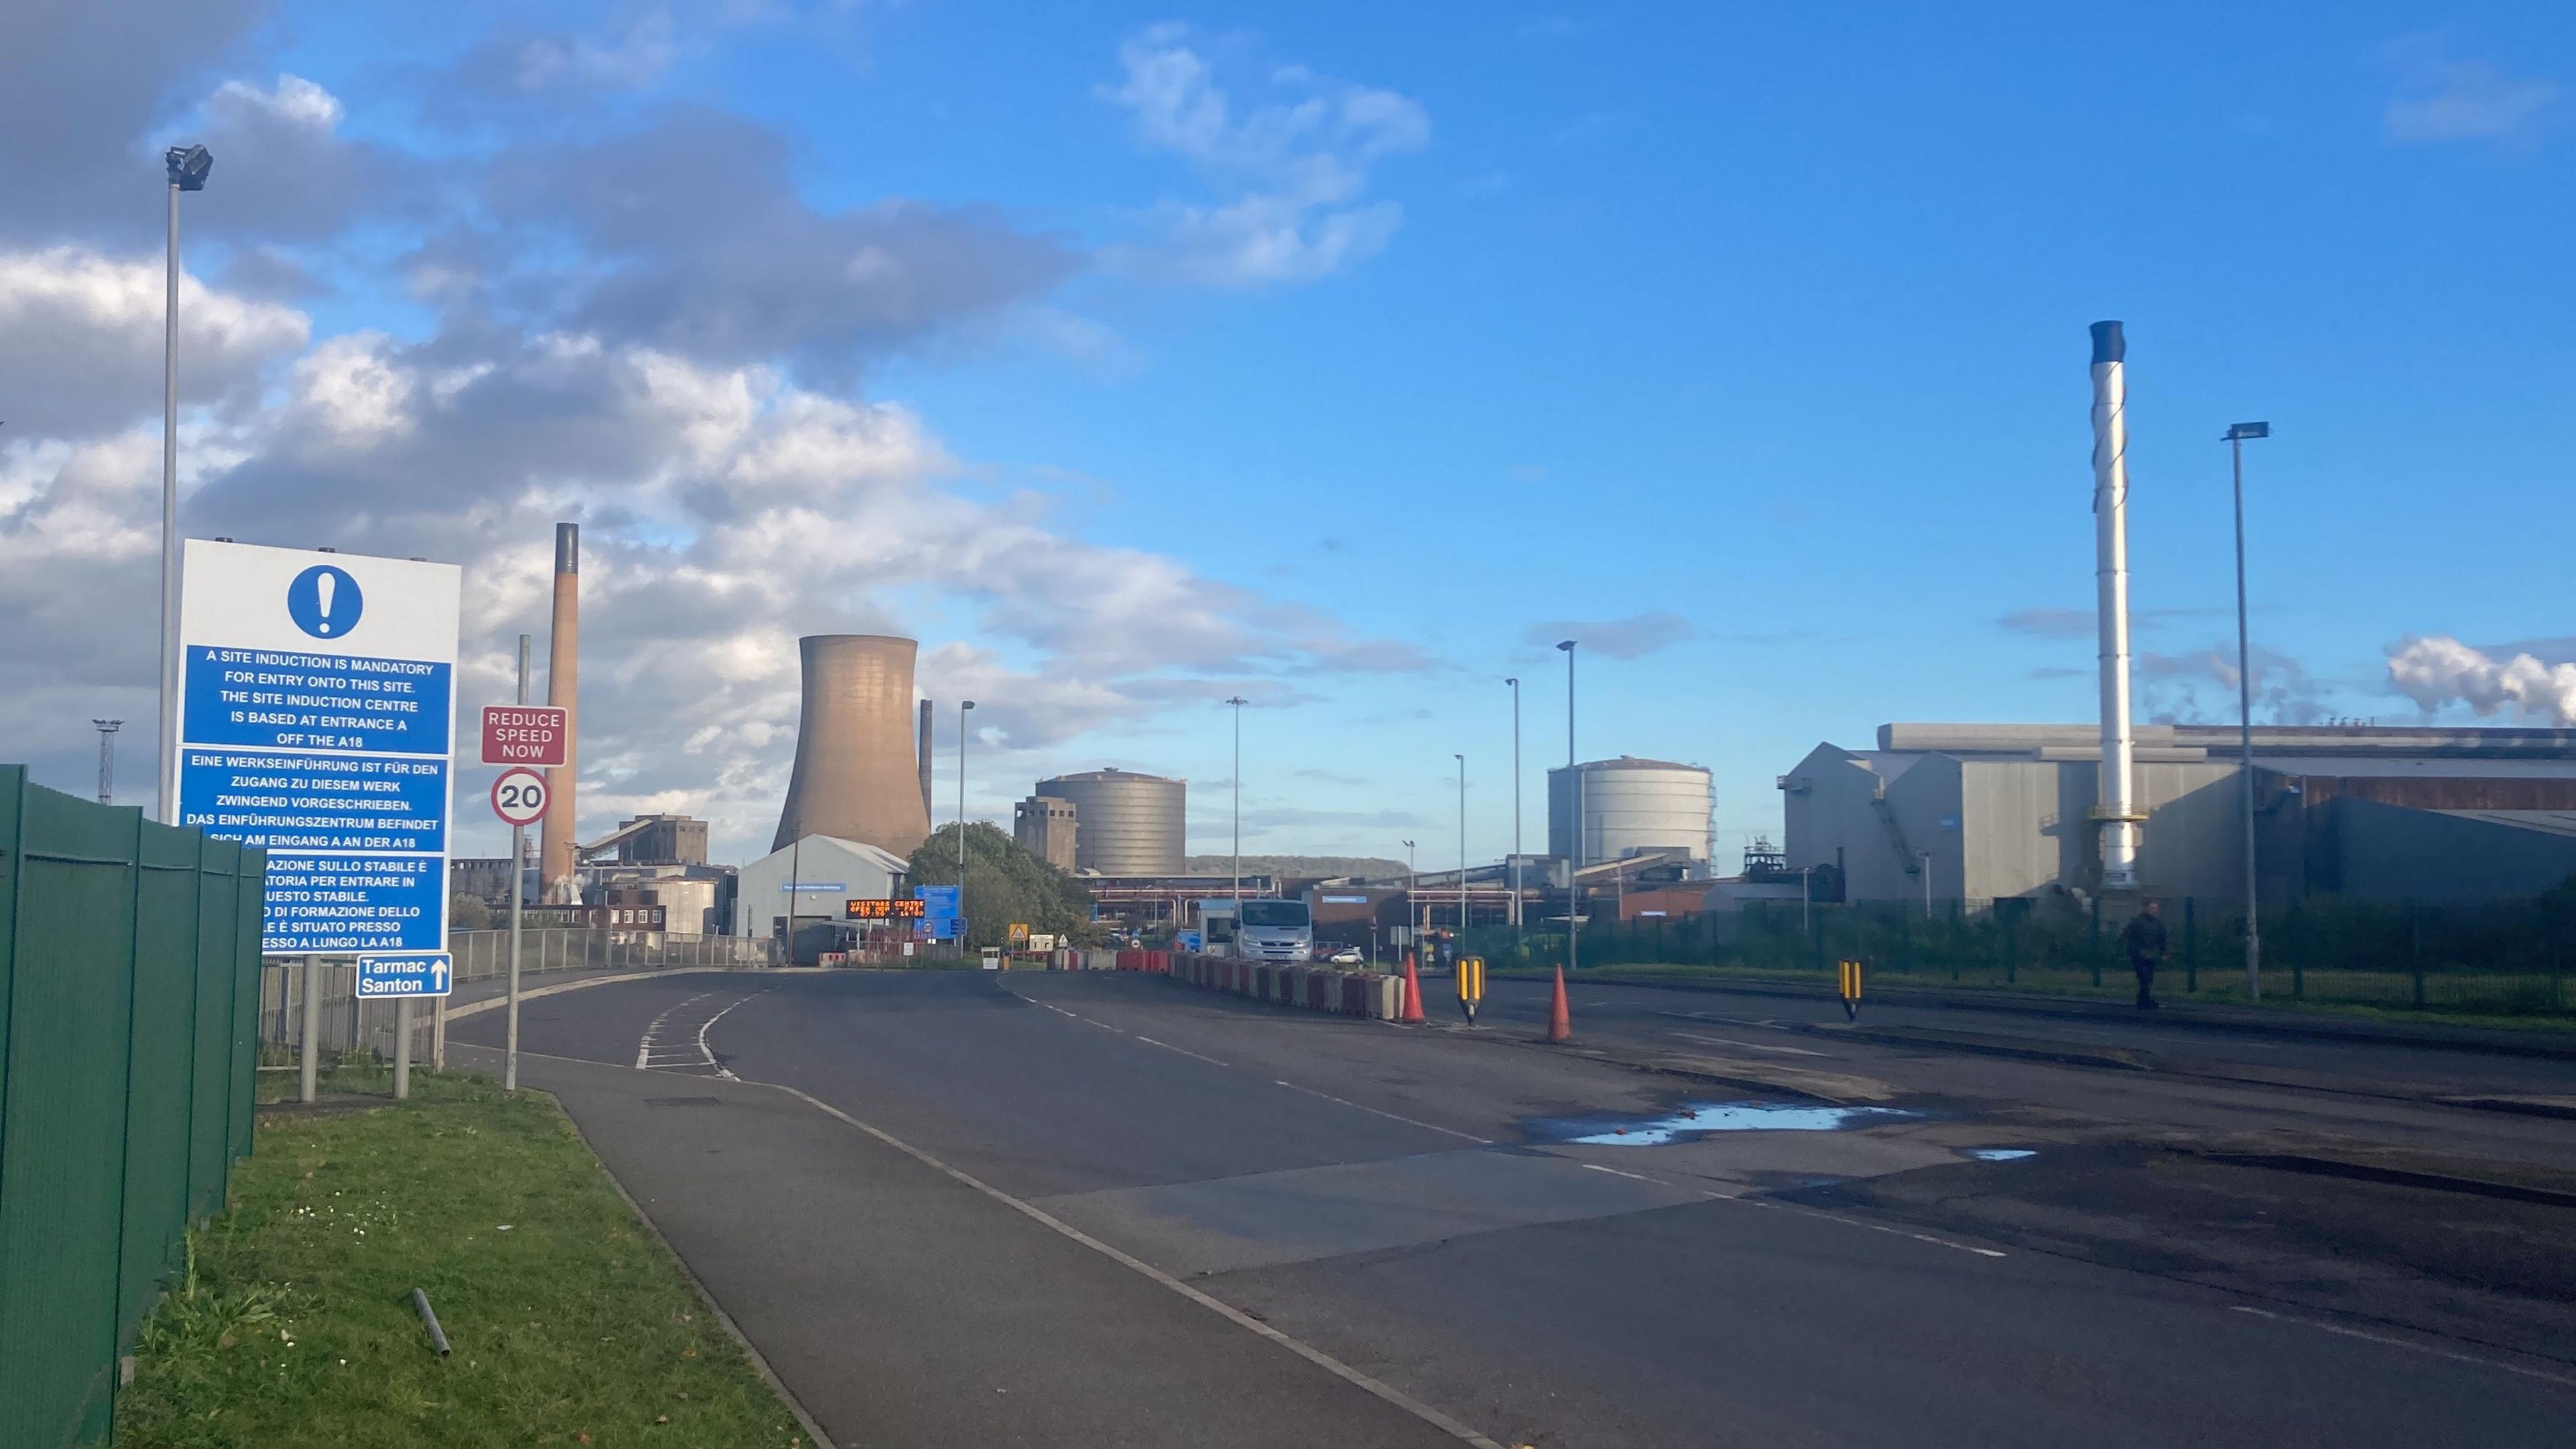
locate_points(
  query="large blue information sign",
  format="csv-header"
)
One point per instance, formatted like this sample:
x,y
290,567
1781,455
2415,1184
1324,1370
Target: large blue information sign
x,y
316,706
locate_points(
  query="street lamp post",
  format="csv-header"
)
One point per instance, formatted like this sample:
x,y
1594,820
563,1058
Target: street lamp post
x,y
1574,845
188,166
1462,845
1516,810
1409,895
2235,439
1237,701
963,706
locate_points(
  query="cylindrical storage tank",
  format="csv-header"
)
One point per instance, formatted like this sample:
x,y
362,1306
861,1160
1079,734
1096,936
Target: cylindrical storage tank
x,y
1630,805
1124,823
853,776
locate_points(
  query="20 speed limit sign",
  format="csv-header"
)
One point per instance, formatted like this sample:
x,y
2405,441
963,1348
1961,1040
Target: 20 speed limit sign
x,y
520,797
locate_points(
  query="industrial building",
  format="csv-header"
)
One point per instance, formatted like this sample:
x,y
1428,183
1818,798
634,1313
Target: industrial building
x,y
818,874
1126,824
1629,807
1046,827
1986,812
857,776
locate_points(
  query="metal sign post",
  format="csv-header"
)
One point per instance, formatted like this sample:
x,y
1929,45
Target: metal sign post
x,y
518,896
1851,989
403,976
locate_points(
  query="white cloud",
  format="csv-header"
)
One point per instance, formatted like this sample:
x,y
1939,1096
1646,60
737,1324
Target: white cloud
x,y
2437,670
81,340
726,510
2442,99
1296,166
293,99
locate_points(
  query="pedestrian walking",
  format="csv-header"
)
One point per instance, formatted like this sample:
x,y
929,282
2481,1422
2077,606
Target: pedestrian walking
x,y
2144,939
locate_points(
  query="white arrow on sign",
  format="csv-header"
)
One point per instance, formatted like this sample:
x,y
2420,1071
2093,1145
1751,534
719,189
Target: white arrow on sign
x,y
438,978
519,797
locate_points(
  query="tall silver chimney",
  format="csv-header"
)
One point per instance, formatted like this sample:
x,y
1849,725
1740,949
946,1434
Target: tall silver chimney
x,y
2116,814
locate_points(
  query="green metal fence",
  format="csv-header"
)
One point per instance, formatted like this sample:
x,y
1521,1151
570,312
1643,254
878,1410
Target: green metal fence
x,y
2488,958
129,960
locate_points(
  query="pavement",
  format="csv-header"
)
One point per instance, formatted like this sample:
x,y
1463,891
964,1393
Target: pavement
x,y
965,1209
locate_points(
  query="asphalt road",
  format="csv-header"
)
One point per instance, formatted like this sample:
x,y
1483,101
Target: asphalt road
x,y
967,1209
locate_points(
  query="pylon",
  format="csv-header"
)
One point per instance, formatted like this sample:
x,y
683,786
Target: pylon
x,y
1412,993
1560,1022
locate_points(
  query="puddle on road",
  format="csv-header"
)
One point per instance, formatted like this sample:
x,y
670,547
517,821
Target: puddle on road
x,y
1997,1154
1700,1118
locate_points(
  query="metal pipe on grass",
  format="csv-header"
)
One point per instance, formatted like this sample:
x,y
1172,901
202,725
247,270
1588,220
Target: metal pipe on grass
x,y
429,1319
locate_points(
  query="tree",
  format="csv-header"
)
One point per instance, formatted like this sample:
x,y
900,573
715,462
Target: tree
x,y
468,913
1005,884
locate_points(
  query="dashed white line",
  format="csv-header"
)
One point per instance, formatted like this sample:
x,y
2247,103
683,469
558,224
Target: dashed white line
x,y
1751,1046
1390,1116
1873,1227
1184,1051
2392,1342
1632,1176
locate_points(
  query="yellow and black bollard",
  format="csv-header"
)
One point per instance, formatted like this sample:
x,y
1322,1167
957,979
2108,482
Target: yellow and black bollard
x,y
1851,990
1471,985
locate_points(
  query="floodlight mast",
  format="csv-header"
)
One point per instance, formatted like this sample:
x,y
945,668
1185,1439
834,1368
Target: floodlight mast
x,y
188,167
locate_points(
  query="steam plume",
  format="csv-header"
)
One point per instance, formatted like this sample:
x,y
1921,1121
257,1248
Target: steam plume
x,y
2436,670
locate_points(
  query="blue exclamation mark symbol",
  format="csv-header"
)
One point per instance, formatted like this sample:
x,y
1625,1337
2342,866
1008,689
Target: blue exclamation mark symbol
x,y
324,602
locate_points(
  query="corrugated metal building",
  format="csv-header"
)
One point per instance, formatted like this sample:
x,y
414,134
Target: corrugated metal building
x,y
1999,811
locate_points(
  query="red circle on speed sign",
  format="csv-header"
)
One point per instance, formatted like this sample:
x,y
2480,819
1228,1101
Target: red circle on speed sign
x,y
520,797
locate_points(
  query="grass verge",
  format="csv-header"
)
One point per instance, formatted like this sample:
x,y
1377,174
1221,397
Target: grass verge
x,y
571,1324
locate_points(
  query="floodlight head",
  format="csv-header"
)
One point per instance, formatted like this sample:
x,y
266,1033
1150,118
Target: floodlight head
x,y
2238,432
965,704
188,166
1565,644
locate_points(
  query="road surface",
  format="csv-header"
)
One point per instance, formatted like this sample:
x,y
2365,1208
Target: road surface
x,y
972,1209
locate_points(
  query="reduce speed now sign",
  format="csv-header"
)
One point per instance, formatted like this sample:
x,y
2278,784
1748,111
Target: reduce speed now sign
x,y
519,797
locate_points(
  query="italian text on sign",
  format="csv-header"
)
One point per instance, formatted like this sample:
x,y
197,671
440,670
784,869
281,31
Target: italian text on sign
x,y
314,713
524,734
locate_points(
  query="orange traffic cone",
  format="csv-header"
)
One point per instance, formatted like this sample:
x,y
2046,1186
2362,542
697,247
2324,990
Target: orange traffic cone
x,y
1560,1022
1412,993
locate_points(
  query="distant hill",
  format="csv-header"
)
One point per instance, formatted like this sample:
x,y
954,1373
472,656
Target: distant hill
x,y
1297,865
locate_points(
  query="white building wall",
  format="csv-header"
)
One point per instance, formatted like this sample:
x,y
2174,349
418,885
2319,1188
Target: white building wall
x,y
854,870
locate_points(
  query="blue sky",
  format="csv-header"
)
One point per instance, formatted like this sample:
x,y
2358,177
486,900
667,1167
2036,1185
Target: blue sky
x,y
1747,340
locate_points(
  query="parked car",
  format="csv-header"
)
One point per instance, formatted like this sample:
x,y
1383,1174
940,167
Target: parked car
x,y
1347,956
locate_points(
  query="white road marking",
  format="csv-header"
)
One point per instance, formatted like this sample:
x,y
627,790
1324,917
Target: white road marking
x,y
644,1048
1751,1046
2392,1342
1390,1116
1184,1051
651,1056
1222,1309
1632,1176
1873,1227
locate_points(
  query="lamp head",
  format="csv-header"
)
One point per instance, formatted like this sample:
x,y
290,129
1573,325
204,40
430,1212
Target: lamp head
x,y
965,704
1514,683
1565,644
2238,432
188,166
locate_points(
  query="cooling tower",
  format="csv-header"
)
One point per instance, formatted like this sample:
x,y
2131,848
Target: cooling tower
x,y
855,775
1127,824
557,870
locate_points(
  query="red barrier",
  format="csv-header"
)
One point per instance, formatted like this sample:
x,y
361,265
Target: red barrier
x,y
1160,961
